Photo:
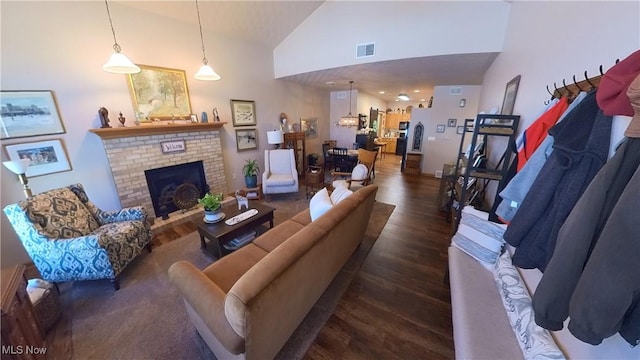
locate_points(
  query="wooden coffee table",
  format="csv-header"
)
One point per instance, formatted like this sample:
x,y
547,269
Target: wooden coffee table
x,y
213,237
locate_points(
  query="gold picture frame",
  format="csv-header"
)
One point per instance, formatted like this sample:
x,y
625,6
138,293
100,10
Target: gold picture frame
x,y
243,112
159,93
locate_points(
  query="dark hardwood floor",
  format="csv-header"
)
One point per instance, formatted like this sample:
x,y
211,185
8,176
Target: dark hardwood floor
x,y
398,305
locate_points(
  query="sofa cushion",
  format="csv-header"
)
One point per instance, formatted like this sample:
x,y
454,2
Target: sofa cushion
x,y
226,271
61,214
320,203
280,180
271,239
303,217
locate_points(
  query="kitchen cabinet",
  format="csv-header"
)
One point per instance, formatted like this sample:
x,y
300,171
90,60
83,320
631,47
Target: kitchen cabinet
x,y
391,144
392,121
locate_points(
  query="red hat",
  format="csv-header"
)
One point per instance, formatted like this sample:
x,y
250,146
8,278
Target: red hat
x,y
612,92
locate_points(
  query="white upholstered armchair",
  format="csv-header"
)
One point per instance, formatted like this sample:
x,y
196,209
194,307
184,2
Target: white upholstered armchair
x,y
280,175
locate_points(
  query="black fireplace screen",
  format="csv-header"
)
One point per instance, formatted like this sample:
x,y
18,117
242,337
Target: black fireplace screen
x,y
166,182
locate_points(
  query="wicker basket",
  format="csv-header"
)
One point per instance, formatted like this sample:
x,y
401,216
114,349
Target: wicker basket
x,y
47,308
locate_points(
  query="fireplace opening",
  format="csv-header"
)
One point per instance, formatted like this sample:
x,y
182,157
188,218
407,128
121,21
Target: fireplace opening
x,y
176,187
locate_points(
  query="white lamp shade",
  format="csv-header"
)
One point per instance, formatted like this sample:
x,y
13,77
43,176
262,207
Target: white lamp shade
x,y
120,64
17,167
206,73
275,137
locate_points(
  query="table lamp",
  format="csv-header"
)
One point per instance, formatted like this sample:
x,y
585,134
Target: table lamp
x,y
275,137
19,167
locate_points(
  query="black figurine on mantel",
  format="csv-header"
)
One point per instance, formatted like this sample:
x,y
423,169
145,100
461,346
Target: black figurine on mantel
x,y
122,119
216,118
104,117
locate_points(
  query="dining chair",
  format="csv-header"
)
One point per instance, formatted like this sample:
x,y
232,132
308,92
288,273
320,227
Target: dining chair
x,y
341,159
326,157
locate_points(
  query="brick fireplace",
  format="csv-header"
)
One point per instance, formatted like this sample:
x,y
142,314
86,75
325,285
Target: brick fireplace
x,y
133,150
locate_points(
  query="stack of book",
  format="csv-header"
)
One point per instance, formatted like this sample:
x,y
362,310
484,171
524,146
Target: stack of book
x,y
240,241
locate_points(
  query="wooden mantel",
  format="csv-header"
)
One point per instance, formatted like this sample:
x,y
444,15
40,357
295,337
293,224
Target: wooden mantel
x,y
142,130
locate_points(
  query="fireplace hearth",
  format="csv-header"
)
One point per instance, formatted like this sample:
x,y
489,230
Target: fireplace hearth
x,y
176,187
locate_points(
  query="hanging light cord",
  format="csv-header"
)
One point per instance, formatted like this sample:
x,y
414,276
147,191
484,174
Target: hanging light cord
x,y
204,56
116,47
350,90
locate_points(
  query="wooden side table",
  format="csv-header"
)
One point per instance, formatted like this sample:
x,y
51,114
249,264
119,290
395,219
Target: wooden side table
x,y
252,193
313,180
20,327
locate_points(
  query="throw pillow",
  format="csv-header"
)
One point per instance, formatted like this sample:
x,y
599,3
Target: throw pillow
x,y
320,203
359,172
535,342
340,193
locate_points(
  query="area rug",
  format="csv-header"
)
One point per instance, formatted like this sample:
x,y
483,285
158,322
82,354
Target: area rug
x,y
146,318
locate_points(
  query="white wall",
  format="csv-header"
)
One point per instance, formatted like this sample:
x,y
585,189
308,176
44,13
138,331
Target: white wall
x,y
445,27
61,46
543,47
443,147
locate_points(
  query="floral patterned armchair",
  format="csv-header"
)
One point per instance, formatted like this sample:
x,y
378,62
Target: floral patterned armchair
x,y
69,238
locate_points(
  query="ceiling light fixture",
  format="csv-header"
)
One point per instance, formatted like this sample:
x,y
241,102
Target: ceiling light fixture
x,y
206,72
349,120
118,63
404,97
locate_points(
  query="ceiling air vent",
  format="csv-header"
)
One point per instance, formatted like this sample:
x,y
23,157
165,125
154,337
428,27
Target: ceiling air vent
x,y
365,50
455,91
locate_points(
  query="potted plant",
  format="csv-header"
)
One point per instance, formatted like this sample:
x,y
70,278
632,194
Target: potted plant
x,y
212,204
251,170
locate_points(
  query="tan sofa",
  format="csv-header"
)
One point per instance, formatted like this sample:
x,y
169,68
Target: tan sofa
x,y
247,304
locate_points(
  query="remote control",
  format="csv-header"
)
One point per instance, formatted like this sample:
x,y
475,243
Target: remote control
x,y
241,217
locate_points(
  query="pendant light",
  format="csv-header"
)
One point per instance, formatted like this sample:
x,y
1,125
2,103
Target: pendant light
x,y
118,63
206,72
349,120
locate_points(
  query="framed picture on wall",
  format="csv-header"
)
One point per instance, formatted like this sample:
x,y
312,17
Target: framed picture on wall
x,y
243,112
46,157
452,122
510,93
29,113
247,139
440,128
160,93
310,127
460,130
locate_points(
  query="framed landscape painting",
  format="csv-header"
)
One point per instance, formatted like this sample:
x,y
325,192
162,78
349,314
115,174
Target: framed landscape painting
x,y
29,113
46,157
247,139
159,93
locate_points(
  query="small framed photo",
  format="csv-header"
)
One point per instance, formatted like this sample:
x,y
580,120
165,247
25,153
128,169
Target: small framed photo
x,y
440,128
243,112
460,130
194,118
247,139
46,157
452,122
29,113
169,147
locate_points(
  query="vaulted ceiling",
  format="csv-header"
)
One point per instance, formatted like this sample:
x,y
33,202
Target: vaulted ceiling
x,y
269,22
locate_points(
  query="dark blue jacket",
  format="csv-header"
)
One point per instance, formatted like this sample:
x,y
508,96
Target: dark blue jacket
x,y
580,149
